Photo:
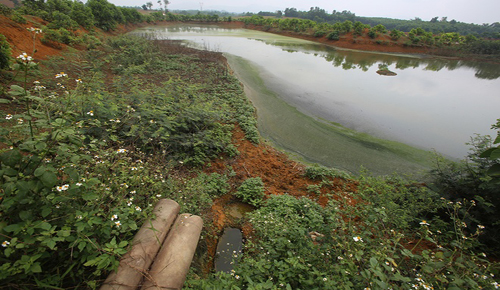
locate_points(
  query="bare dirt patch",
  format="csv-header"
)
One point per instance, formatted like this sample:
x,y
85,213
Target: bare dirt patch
x,y
21,39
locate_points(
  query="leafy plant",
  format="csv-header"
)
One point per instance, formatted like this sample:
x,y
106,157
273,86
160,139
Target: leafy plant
x,y
372,33
318,172
4,10
17,17
396,34
493,154
251,191
319,33
470,180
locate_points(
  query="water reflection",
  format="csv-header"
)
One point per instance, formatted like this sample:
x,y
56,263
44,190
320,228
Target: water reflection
x,y
348,59
431,103
192,29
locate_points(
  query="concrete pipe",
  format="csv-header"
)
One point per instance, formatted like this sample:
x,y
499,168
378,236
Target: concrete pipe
x,y
172,263
145,245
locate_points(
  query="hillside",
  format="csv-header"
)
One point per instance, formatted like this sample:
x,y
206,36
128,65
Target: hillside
x,y
382,43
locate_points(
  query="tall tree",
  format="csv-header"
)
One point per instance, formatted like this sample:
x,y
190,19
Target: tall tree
x,y
106,15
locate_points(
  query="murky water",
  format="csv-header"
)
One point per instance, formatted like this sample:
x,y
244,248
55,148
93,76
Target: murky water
x,y
228,250
330,106
237,210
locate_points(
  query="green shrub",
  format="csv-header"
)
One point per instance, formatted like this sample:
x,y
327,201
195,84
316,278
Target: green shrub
x,y
51,38
82,15
17,17
318,172
470,180
45,15
251,191
379,28
334,35
90,41
359,28
106,15
372,33
61,20
5,53
396,34
65,36
319,33
4,10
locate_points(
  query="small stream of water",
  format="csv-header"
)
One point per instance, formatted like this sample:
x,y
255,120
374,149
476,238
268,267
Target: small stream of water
x,y
228,250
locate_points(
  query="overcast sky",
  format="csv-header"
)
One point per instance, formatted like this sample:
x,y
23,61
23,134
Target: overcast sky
x,y
469,11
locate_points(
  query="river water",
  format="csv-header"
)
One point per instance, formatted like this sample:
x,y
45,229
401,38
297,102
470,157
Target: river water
x,y
328,105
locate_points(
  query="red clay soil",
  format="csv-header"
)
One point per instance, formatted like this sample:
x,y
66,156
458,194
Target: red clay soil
x,y
279,174
21,40
347,41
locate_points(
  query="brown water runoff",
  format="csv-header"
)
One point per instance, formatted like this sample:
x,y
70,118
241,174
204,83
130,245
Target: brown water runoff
x,y
329,106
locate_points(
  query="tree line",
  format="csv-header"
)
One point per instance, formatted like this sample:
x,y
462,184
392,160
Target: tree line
x,y
435,25
417,37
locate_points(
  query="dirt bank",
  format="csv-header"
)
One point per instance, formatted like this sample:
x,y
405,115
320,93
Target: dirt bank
x,y
280,175
382,43
22,40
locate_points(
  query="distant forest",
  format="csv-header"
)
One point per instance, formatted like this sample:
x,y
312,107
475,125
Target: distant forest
x,y
435,25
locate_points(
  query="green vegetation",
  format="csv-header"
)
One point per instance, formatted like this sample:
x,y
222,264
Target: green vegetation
x,y
251,191
475,179
434,25
5,53
387,235
86,157
317,172
73,14
417,36
493,154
